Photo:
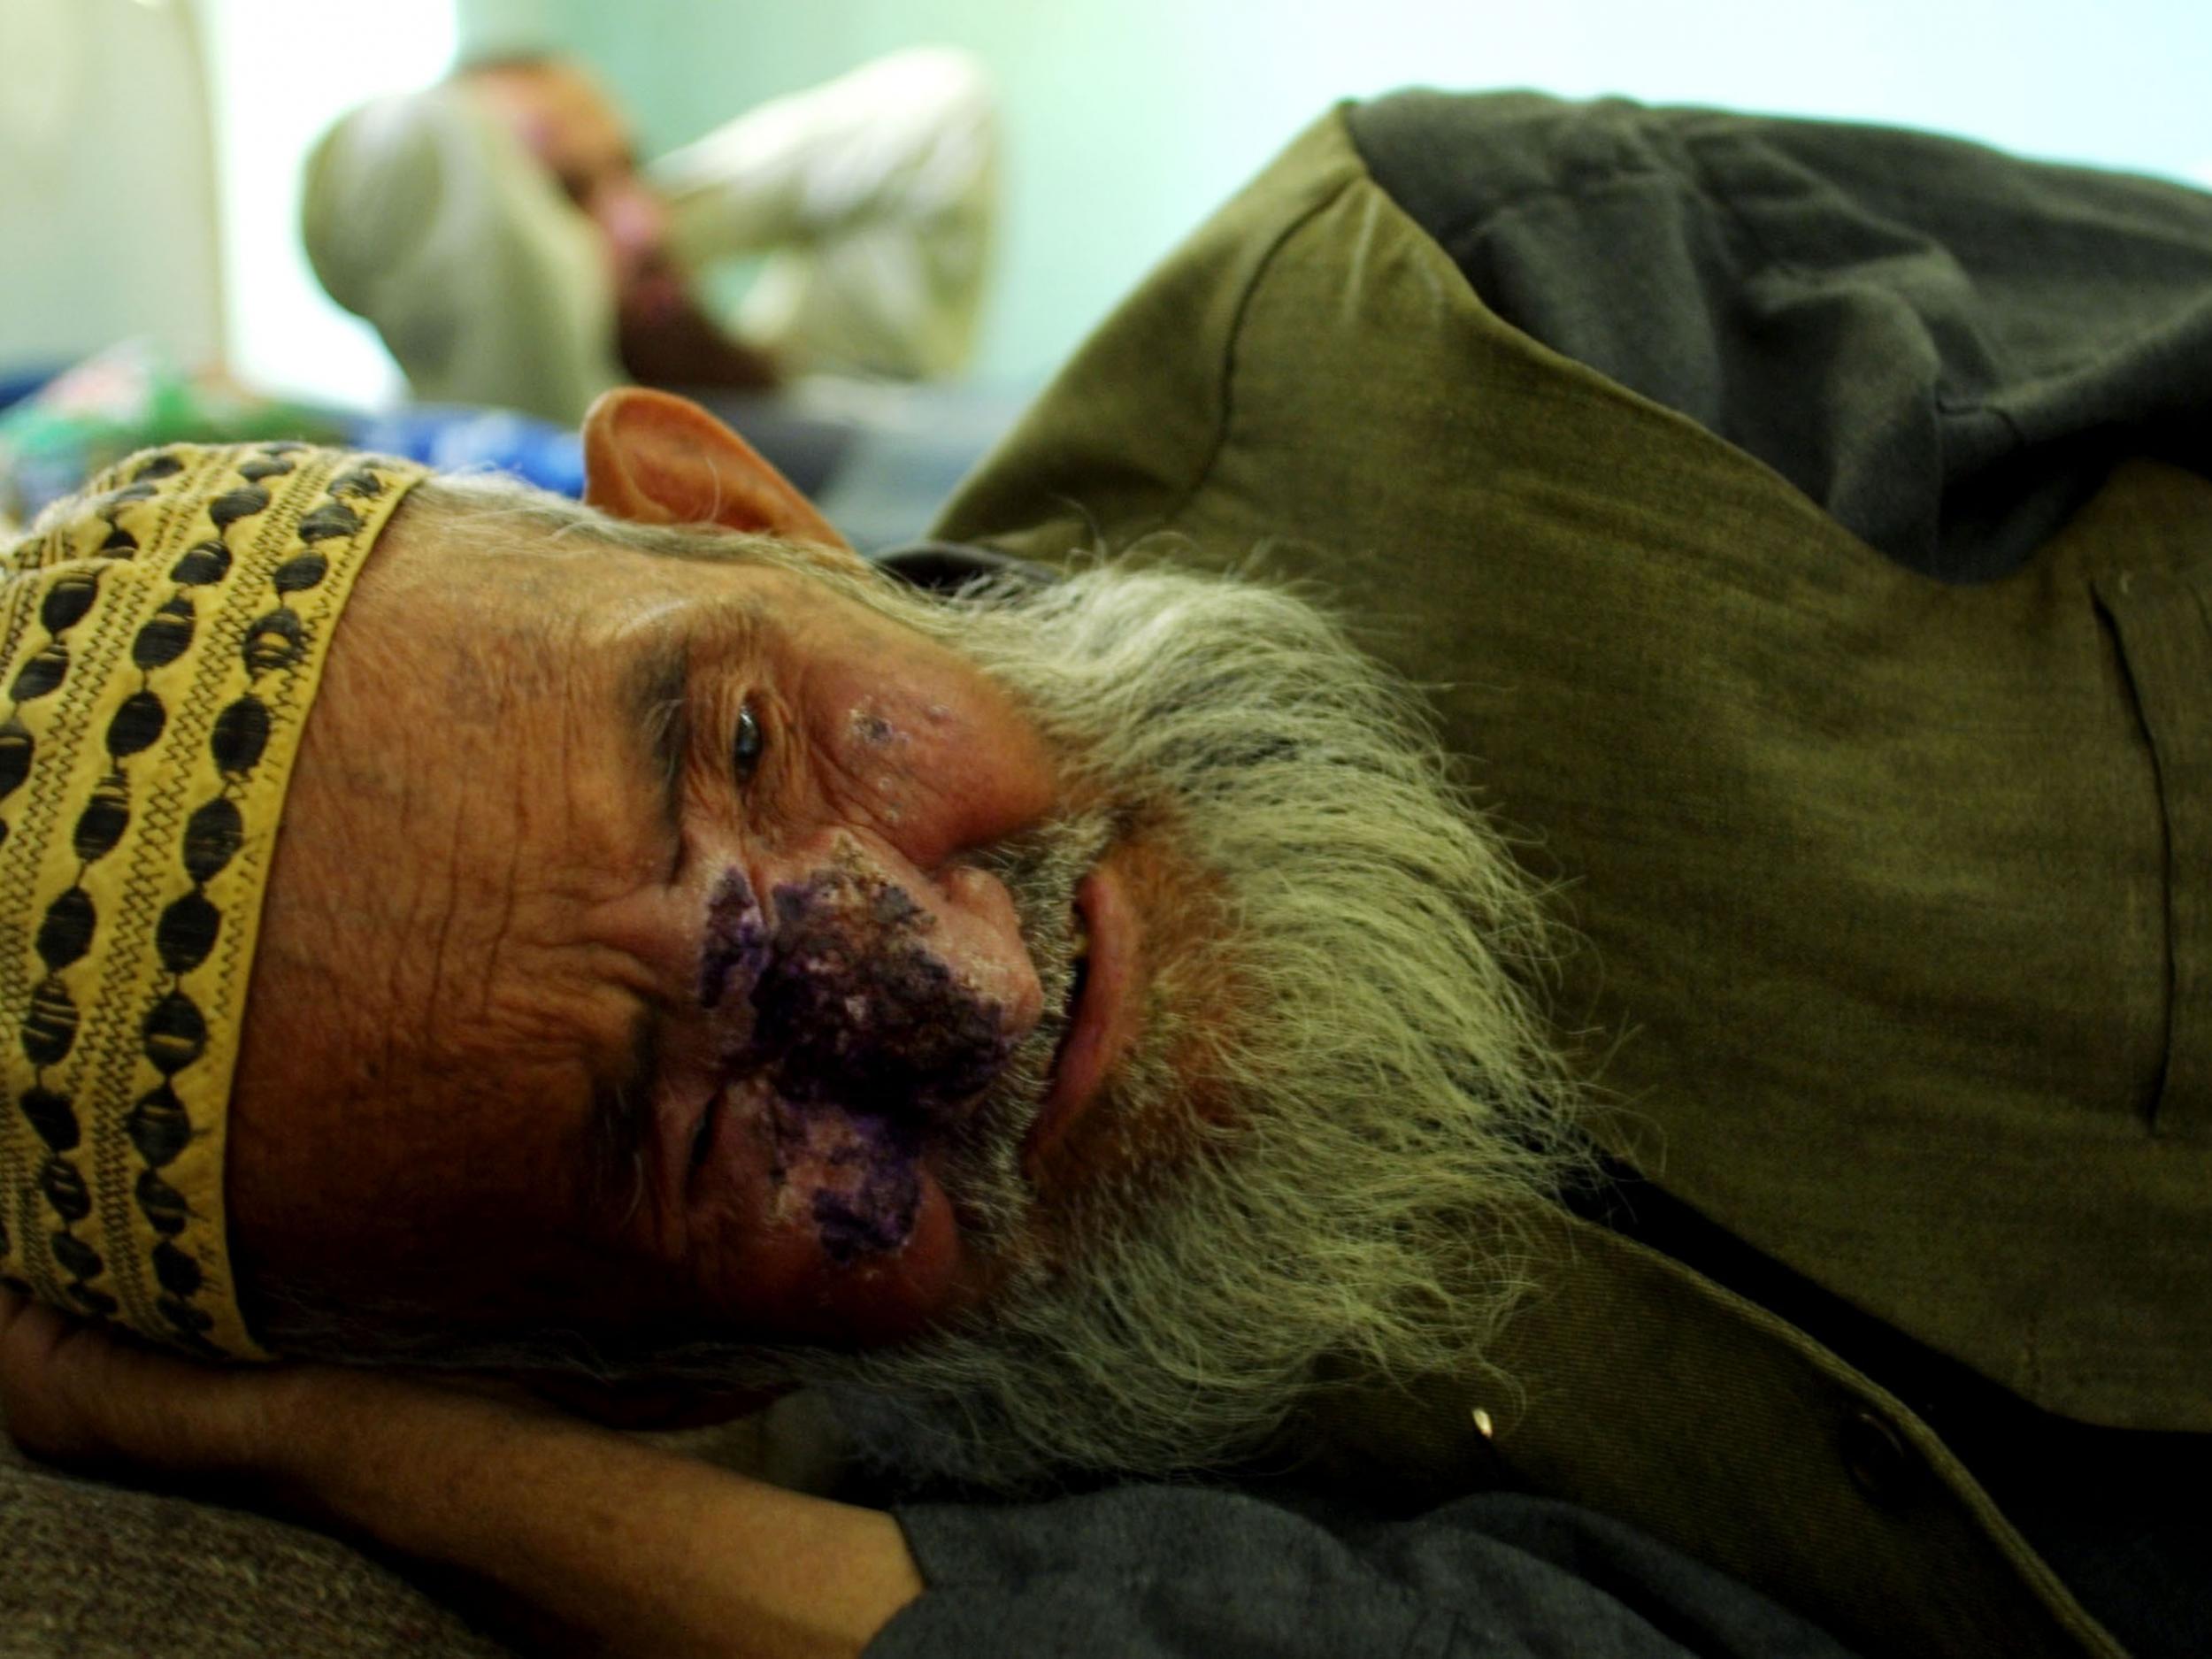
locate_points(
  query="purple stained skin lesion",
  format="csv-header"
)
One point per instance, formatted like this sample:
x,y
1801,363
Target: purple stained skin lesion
x,y
862,1035
736,944
863,1168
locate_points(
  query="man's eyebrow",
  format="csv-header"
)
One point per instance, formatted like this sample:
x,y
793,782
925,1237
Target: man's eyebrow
x,y
658,701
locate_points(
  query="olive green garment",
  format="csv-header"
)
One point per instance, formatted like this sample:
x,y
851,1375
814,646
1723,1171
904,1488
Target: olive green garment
x,y
1882,960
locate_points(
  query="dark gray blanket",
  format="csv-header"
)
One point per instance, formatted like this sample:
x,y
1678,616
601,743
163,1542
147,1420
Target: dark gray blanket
x,y
93,1571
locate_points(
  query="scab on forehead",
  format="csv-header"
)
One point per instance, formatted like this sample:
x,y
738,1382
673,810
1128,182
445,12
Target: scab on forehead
x,y
870,727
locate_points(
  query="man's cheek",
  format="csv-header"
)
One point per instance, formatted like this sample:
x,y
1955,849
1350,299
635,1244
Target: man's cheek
x,y
852,1176
819,1227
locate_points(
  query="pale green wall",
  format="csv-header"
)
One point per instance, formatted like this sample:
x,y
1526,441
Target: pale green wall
x,y
1127,121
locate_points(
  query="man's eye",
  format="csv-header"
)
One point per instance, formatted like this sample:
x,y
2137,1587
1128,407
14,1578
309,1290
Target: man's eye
x,y
746,746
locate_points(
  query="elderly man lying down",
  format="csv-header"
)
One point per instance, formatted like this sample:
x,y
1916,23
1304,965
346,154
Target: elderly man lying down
x,y
1740,1184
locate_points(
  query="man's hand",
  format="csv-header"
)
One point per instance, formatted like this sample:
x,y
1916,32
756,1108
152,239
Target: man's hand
x,y
74,1396
641,1551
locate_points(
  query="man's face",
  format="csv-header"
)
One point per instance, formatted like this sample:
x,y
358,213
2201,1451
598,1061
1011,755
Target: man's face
x,y
1064,1017
672,876
564,118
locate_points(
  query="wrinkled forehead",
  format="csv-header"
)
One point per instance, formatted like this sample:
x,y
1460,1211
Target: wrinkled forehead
x,y
509,555
491,542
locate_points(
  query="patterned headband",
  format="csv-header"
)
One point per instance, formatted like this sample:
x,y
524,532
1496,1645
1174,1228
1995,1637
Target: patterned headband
x,y
162,635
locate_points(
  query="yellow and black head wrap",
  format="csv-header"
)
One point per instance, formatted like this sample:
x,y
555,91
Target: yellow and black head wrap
x,y
162,635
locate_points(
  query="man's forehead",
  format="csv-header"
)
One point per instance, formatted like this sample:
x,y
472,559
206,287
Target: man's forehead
x,y
629,582
633,627
602,579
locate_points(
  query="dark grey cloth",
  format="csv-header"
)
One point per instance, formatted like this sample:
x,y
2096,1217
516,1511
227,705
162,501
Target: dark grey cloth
x,y
1946,346
2117,1513
1165,1570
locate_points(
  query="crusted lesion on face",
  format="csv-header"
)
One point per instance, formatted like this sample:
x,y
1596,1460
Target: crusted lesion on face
x,y
841,1036
734,947
859,1006
854,1175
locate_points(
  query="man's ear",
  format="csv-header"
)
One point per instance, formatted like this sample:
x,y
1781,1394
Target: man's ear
x,y
655,458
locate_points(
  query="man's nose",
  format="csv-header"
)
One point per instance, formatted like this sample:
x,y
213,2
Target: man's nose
x,y
923,754
850,978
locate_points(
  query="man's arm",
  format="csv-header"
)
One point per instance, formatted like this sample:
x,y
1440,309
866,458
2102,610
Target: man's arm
x,y
640,1551
876,195
634,1551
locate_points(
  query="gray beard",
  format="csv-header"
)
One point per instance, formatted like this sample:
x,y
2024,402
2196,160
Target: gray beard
x,y
1384,1101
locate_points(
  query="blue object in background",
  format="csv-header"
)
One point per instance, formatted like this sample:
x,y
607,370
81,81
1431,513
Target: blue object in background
x,y
17,384
458,439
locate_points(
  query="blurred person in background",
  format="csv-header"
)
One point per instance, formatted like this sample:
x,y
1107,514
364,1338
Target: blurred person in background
x,y
501,234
